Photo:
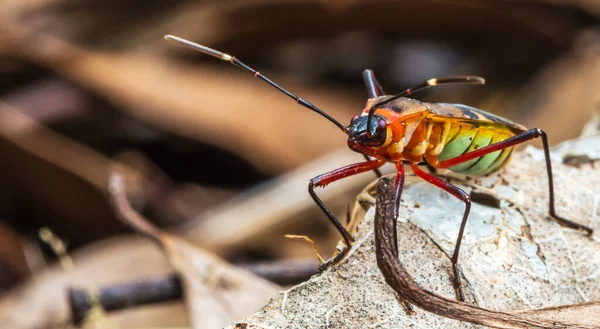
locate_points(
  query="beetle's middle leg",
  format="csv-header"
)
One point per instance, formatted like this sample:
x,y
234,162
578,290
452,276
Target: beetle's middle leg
x,y
464,197
330,177
398,187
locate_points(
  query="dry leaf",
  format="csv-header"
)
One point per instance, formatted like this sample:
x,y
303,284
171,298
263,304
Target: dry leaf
x,y
581,316
514,259
216,292
42,301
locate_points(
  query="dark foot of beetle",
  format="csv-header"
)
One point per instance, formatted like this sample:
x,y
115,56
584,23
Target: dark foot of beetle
x,y
568,223
458,284
334,260
407,306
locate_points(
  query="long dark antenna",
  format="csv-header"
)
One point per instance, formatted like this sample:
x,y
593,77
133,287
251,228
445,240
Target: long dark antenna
x,y
238,63
424,85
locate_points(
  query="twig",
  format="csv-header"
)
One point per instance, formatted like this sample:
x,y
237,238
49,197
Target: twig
x,y
309,240
283,272
400,280
58,247
168,288
128,215
216,292
126,295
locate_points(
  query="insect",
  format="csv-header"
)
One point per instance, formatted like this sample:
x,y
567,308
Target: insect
x,y
405,131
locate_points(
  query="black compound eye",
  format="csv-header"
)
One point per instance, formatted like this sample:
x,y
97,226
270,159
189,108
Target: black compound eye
x,y
353,119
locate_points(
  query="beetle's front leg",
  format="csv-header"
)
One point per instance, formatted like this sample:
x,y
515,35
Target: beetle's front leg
x,y
330,177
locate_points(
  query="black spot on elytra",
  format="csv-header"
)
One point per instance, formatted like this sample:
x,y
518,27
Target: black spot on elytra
x,y
467,111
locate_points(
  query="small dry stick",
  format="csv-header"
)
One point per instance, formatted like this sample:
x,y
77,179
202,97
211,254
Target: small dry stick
x,y
58,247
94,312
126,295
400,280
309,240
168,288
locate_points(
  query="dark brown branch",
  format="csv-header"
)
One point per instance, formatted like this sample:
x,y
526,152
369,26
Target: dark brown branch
x,y
400,280
168,288
126,295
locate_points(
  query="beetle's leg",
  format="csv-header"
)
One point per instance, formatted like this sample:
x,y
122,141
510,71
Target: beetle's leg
x,y
406,162
398,187
330,177
376,170
374,89
462,196
518,139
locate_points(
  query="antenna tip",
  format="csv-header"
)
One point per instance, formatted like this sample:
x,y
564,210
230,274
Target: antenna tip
x,y
475,80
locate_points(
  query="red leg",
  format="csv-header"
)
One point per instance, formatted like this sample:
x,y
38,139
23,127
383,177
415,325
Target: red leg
x,y
464,197
376,170
518,139
330,177
399,185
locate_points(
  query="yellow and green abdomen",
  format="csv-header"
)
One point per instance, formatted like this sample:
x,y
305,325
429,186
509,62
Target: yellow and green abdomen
x,y
461,138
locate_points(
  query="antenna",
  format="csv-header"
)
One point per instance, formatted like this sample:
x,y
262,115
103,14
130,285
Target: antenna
x,y
429,83
238,63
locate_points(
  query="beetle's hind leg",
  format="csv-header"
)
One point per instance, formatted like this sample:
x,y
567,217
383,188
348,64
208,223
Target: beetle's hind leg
x,y
552,211
330,177
464,197
510,142
515,140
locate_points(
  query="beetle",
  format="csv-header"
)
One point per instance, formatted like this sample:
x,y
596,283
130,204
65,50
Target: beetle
x,y
405,131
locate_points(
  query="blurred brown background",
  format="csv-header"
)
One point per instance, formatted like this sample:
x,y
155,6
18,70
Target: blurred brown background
x,y
87,87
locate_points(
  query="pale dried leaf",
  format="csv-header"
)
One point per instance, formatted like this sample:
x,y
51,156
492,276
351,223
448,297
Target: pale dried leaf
x,y
216,293
514,258
42,301
409,291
